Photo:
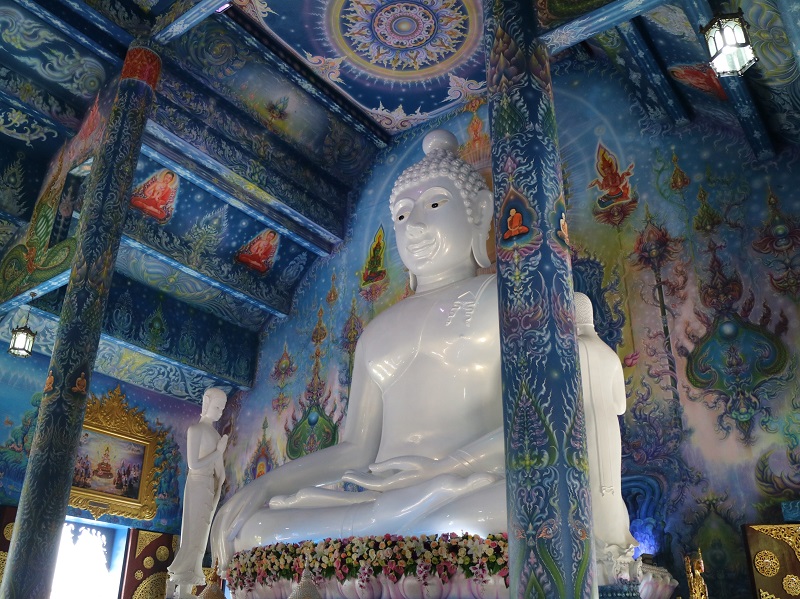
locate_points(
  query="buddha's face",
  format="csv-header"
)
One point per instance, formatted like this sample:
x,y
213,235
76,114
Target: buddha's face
x,y
214,407
431,227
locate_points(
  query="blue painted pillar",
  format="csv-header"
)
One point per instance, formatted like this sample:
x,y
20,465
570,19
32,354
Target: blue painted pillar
x,y
48,478
546,463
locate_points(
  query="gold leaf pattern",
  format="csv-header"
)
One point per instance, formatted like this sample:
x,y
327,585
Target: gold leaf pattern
x,y
8,531
162,553
155,587
149,562
765,595
145,538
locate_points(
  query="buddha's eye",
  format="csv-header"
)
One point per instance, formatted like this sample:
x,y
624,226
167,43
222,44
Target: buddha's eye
x,y
436,203
401,217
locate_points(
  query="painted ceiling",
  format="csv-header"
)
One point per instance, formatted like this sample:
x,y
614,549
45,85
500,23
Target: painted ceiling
x,y
269,116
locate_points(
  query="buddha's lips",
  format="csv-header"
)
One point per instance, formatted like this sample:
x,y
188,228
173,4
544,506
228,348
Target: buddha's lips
x,y
422,249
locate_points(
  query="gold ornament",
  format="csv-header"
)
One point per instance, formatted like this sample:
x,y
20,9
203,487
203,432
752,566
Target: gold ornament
x,y
791,584
145,538
767,563
8,531
788,533
765,595
138,575
162,553
149,562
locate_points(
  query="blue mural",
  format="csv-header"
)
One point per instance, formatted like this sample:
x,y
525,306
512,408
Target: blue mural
x,y
22,382
692,285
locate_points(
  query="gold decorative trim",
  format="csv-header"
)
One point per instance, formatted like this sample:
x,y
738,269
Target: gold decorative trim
x,y
145,538
176,542
149,562
154,587
767,563
162,553
3,558
8,531
765,595
788,533
111,415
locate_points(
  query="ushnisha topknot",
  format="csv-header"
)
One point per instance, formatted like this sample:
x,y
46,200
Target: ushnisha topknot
x,y
441,160
583,309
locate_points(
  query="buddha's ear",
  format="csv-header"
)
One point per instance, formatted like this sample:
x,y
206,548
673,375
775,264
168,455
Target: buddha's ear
x,y
484,205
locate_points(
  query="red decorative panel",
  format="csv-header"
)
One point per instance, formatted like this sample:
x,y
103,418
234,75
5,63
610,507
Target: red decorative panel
x,y
142,64
146,559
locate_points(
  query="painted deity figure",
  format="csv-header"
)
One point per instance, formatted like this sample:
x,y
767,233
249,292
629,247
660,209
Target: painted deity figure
x,y
604,399
259,253
204,452
613,182
156,196
423,433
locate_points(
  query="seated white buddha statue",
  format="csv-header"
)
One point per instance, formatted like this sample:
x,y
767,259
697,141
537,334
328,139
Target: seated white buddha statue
x,y
603,400
423,433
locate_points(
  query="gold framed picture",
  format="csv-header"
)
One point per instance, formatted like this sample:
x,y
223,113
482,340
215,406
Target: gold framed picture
x,y
114,471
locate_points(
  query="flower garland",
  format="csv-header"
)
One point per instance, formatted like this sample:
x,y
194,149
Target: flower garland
x,y
366,557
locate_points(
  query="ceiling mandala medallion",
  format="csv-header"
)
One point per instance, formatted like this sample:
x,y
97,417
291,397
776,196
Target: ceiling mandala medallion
x,y
405,39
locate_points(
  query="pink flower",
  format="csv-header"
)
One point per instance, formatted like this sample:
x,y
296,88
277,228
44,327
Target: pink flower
x,y
631,359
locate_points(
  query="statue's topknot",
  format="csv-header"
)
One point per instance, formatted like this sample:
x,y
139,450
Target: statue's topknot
x,y
441,160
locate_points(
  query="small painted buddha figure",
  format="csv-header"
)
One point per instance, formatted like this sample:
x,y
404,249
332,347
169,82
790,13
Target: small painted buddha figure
x,y
613,182
259,252
156,196
514,223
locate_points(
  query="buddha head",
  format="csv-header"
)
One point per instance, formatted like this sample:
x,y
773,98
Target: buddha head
x,y
441,209
214,400
583,310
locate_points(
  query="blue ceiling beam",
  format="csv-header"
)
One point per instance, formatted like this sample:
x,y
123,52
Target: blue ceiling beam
x,y
789,11
169,28
641,49
246,192
699,14
189,172
239,295
79,37
596,22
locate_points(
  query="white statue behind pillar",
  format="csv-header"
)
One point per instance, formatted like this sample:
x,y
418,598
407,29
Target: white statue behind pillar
x,y
204,453
603,400
424,424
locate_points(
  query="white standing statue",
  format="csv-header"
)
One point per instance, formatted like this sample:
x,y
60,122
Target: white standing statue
x,y
603,400
424,422
204,452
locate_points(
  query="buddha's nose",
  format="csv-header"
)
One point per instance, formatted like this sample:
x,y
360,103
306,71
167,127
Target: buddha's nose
x,y
415,227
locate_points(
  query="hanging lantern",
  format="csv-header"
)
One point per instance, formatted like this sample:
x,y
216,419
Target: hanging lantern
x,y
729,44
22,339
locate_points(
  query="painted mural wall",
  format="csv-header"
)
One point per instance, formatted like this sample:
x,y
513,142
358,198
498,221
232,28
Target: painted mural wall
x,y
690,253
22,381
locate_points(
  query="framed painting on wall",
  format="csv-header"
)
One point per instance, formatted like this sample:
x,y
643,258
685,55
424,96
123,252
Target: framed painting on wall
x,y
114,472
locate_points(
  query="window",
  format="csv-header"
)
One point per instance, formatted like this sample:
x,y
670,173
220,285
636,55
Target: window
x,y
89,561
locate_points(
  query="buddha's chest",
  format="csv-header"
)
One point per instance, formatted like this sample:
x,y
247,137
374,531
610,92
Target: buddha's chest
x,y
433,339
